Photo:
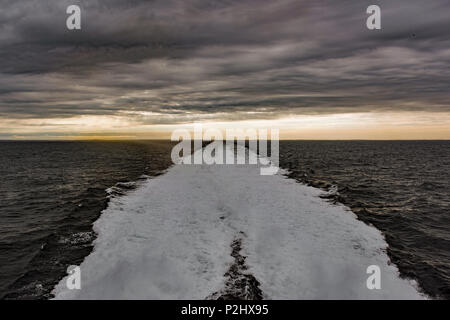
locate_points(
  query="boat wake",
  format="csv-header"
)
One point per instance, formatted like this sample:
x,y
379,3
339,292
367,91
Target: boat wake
x,y
227,232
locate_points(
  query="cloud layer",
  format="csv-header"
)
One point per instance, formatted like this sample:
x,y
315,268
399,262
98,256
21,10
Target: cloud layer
x,y
168,62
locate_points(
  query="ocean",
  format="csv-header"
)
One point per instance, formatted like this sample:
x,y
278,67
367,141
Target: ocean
x,y
53,192
401,187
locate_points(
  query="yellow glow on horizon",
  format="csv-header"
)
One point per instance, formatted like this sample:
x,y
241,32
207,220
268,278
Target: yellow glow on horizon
x,y
375,125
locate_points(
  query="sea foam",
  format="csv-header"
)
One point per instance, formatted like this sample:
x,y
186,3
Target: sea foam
x,y
172,237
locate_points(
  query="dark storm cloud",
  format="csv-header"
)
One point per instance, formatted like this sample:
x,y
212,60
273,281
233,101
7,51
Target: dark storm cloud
x,y
234,58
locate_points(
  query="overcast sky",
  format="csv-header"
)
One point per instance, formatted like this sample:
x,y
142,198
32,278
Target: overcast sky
x,y
150,64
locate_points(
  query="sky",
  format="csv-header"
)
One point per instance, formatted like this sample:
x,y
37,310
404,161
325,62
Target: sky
x,y
140,69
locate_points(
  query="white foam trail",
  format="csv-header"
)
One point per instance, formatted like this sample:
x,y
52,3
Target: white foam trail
x,y
170,239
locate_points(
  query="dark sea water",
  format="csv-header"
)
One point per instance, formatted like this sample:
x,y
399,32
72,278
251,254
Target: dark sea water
x,y
401,187
52,192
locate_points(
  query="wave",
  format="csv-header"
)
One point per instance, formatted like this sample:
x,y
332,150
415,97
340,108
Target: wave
x,y
179,235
